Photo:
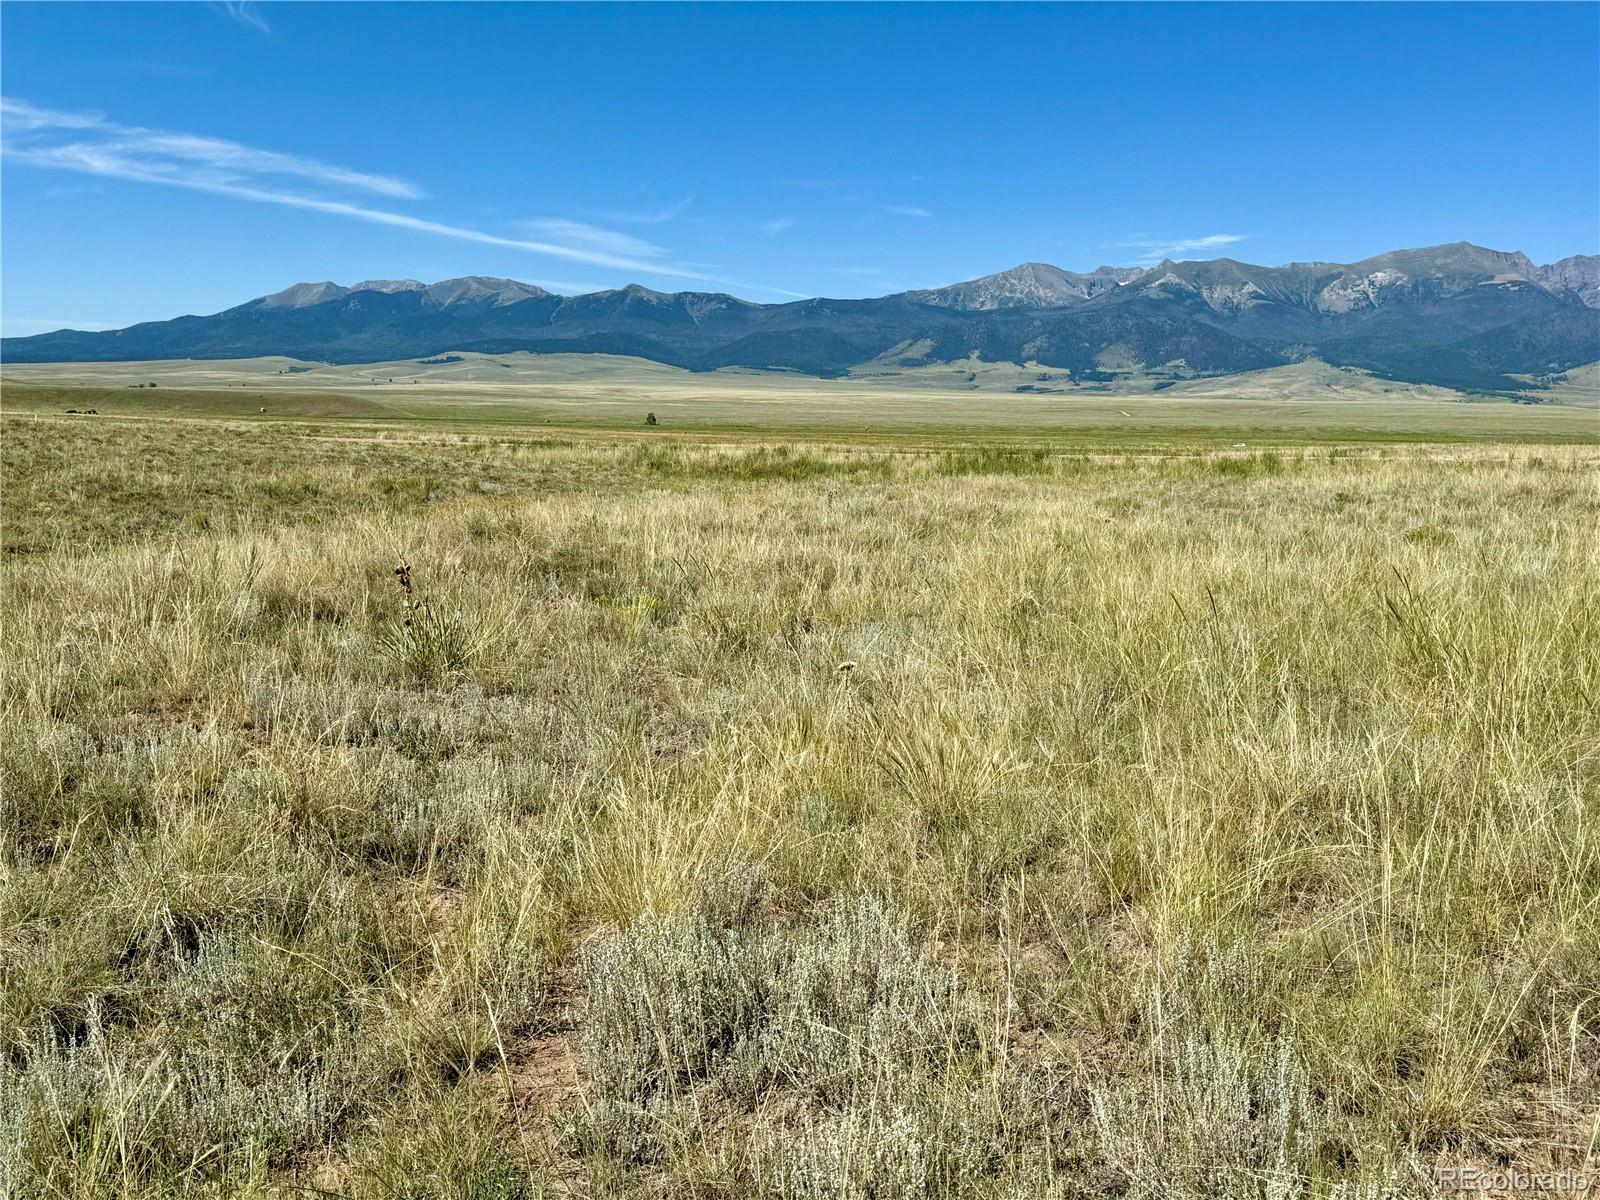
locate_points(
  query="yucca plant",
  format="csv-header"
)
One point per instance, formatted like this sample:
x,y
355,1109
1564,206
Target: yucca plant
x,y
426,643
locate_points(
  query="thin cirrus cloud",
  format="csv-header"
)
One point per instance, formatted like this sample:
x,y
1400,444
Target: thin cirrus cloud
x,y
774,228
656,216
593,237
245,13
906,210
90,144
1153,250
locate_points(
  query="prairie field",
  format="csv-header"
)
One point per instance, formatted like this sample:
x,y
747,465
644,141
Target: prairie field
x,y
404,809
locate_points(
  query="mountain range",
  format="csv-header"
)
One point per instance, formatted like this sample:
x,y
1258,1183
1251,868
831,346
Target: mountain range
x,y
1456,315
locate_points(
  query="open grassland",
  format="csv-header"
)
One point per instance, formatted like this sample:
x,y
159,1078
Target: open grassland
x,y
1002,401
745,818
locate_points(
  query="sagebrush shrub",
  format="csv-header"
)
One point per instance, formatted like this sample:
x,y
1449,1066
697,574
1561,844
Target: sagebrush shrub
x,y
1222,1121
847,1014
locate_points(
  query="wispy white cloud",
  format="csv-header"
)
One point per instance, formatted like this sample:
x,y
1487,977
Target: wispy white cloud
x,y
658,216
591,237
245,13
775,227
90,144
906,210
1153,250
21,117
50,137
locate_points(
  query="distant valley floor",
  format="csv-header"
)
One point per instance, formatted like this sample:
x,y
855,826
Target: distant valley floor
x,y
1309,400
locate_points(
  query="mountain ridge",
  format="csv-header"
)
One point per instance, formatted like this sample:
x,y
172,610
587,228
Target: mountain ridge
x,y
1457,314
1030,284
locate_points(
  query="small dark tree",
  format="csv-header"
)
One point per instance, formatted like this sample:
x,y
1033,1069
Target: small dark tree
x,y
649,418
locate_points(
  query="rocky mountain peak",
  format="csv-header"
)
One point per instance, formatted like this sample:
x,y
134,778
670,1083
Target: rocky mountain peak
x,y
1579,274
389,286
478,288
303,295
466,289
1028,285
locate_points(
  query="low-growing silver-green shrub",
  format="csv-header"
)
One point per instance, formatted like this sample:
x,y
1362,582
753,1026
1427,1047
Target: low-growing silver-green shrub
x,y
935,1138
841,1035
669,999
846,1002
855,1002
1206,987
1219,1121
101,1107
1229,1112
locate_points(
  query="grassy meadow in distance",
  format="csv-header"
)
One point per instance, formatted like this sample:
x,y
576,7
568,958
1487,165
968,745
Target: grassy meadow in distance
x,y
931,810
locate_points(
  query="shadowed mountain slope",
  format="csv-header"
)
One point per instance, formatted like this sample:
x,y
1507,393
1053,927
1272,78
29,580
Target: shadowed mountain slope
x,y
1458,315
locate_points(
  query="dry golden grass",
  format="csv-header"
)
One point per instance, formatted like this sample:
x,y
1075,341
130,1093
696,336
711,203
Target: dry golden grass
x,y
794,821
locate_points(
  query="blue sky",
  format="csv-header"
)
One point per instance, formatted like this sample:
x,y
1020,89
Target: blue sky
x,y
167,159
